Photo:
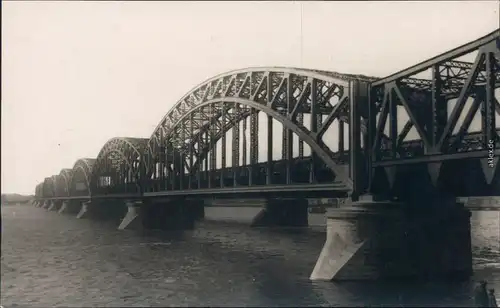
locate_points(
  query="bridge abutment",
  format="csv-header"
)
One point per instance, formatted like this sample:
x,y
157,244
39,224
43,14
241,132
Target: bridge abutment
x,y
283,213
176,214
386,240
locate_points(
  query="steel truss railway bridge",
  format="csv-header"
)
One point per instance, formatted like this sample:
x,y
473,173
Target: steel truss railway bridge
x,y
400,149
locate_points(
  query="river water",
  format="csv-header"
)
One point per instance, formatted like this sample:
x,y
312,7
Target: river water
x,y
53,260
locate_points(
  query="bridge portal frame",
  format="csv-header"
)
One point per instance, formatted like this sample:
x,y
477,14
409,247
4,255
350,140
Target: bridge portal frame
x,y
187,136
119,161
449,79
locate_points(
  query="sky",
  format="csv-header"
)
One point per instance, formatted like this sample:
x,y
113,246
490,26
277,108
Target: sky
x,y
76,74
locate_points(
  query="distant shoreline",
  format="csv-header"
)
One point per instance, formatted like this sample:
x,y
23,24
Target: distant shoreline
x,y
15,198
14,203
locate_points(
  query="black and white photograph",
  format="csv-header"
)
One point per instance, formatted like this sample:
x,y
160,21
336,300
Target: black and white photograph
x,y
250,154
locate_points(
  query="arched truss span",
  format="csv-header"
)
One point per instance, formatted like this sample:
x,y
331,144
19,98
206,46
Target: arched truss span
x,y
49,186
80,177
119,166
63,182
193,126
39,190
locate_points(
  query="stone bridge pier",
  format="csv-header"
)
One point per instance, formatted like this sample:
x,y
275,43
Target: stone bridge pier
x,y
170,214
424,240
54,205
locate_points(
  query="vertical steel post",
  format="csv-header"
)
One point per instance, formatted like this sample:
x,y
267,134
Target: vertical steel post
x,y
181,154
300,121
314,128
168,179
213,146
489,123
236,144
191,154
341,137
371,128
439,109
287,133
269,167
270,172
358,95
223,146
393,114
244,144
199,161
254,144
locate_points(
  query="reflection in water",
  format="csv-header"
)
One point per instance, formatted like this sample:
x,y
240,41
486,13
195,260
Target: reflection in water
x,y
57,260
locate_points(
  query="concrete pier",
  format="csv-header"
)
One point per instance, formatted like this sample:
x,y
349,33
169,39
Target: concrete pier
x,y
283,213
386,240
46,204
63,208
83,210
54,206
51,206
132,217
175,214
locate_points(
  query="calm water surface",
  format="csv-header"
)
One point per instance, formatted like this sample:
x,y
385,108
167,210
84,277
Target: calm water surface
x,y
57,260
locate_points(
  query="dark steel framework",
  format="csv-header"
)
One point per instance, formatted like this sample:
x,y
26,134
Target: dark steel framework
x,y
62,183
181,156
182,150
434,105
80,178
49,186
39,191
118,167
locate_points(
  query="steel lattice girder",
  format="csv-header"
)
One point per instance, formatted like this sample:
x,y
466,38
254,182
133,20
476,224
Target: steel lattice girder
x,y
63,182
82,172
49,186
39,190
450,79
193,126
121,160
206,113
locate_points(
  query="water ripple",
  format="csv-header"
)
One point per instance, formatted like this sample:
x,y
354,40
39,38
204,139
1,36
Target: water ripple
x,y
56,260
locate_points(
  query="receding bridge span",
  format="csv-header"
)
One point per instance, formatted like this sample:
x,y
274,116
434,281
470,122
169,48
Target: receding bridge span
x,y
403,150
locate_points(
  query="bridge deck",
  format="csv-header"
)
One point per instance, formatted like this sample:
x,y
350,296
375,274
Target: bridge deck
x,y
484,203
